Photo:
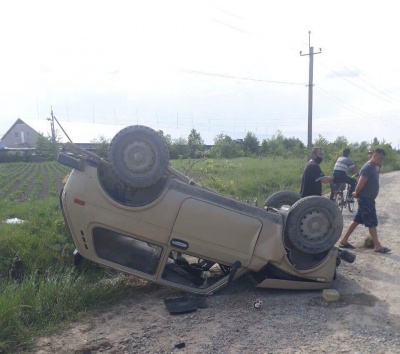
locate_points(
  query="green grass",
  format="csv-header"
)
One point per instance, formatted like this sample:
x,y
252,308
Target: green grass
x,y
50,290
245,178
249,178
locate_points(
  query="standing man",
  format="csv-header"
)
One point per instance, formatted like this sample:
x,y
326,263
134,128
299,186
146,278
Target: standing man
x,y
370,152
313,177
340,175
366,191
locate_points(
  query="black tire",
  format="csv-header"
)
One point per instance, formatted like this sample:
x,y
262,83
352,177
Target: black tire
x,y
139,156
278,199
339,201
314,224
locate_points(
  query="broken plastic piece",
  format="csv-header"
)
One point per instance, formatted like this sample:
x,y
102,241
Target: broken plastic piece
x,y
184,304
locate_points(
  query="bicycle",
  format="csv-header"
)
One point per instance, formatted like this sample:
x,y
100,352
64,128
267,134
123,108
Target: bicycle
x,y
342,197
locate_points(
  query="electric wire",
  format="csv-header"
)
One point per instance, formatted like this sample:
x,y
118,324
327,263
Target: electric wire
x,y
196,72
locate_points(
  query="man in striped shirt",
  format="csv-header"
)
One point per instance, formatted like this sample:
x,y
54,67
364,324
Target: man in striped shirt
x,y
343,164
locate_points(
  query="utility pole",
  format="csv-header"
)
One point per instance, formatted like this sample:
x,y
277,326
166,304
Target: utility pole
x,y
310,88
53,134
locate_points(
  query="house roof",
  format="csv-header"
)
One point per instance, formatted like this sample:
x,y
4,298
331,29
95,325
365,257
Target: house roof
x,y
18,121
78,132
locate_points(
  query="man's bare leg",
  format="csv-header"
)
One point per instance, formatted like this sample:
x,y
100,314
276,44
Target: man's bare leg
x,y
374,235
349,231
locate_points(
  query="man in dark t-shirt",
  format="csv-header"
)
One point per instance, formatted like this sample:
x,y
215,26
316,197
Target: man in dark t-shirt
x,y
366,191
313,177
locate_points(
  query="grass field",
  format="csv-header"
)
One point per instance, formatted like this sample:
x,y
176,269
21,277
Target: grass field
x,y
247,178
47,290
22,181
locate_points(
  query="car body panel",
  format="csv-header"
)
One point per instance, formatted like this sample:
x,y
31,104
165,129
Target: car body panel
x,y
199,223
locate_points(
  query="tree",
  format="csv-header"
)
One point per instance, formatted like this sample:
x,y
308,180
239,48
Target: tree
x,y
167,138
225,147
264,148
294,147
274,146
44,147
278,145
251,144
331,151
321,142
102,146
179,149
195,143
341,142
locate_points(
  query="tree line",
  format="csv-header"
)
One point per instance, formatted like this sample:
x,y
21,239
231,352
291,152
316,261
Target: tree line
x,y
193,147
277,146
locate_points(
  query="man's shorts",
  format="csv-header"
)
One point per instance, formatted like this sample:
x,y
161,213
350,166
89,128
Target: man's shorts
x,y
366,213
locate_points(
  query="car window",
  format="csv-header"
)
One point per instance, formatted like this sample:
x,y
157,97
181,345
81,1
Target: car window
x,y
126,250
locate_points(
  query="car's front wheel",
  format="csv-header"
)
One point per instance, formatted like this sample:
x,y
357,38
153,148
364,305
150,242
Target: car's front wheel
x,y
314,224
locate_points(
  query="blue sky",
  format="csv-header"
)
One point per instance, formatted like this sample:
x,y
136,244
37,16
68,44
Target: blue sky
x,y
216,66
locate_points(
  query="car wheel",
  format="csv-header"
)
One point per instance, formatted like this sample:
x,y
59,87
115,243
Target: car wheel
x,y
139,156
314,224
281,198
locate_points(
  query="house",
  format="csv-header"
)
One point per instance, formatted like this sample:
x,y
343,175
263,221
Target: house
x,y
20,136
23,134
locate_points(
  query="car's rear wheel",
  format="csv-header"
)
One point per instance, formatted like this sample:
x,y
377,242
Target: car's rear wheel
x,y
314,224
139,156
281,198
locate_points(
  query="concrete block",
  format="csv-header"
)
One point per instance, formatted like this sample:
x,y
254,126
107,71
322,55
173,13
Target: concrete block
x,y
330,295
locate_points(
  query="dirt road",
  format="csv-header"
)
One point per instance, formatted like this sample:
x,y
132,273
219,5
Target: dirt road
x,y
365,320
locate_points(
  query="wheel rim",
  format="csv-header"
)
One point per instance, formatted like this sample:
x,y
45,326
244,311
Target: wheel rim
x,y
140,157
315,226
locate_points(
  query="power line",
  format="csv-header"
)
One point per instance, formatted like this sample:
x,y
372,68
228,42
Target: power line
x,y
351,108
338,100
368,83
229,13
196,72
230,26
354,84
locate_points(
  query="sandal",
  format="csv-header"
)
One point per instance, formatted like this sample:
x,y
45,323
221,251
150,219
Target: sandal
x,y
383,250
347,245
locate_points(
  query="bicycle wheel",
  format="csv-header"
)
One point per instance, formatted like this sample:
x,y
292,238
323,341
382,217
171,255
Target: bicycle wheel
x,y
339,200
351,205
349,200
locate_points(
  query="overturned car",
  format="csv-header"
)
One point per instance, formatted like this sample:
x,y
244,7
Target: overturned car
x,y
134,213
